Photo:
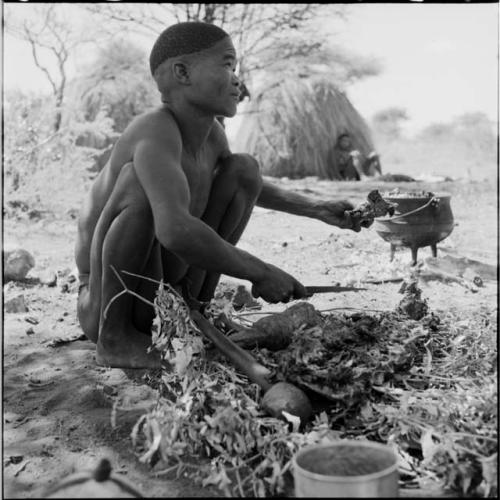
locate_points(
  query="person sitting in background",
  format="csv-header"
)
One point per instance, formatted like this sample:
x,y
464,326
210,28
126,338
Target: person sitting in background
x,y
371,166
348,158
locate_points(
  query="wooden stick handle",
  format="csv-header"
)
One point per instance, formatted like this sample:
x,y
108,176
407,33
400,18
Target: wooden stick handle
x,y
242,359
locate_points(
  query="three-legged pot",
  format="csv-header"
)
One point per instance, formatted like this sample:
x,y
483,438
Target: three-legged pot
x,y
419,221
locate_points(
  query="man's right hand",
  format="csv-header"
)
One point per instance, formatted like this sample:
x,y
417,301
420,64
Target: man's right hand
x,y
278,286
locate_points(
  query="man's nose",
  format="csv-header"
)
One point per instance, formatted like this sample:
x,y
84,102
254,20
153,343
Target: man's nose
x,y
236,81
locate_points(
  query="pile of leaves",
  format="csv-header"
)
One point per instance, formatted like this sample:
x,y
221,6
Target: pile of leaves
x,y
211,428
351,355
427,387
207,422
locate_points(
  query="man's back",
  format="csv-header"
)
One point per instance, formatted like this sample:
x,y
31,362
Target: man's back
x,y
153,126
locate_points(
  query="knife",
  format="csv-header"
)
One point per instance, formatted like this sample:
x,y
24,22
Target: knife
x,y
311,290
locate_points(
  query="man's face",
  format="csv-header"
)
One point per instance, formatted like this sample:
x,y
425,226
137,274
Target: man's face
x,y
345,142
215,87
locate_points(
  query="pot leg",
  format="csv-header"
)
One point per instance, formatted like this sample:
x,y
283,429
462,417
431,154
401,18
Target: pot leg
x,y
393,251
434,250
414,251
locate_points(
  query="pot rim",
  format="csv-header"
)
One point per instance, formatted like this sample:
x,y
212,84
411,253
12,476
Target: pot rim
x,y
343,478
440,194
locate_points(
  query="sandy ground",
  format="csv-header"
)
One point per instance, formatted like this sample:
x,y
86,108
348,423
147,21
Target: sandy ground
x,y
57,402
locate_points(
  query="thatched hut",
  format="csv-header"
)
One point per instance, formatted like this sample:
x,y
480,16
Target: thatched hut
x,y
293,127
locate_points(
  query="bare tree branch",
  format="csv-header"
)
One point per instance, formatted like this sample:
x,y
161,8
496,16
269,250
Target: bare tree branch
x,y
48,31
37,62
266,36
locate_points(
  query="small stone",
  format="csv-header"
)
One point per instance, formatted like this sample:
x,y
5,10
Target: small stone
x,y
69,280
110,391
32,320
478,281
15,304
35,214
62,273
30,331
471,276
17,263
48,278
72,213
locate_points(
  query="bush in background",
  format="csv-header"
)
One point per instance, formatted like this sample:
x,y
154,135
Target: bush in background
x,y
45,171
119,81
465,147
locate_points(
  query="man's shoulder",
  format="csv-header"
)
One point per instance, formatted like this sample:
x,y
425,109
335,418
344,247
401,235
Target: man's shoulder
x,y
153,122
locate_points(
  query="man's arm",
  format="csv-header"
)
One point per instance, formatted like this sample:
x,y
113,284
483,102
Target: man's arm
x,y
162,178
275,198
157,161
331,212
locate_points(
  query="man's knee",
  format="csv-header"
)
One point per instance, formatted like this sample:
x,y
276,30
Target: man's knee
x,y
244,170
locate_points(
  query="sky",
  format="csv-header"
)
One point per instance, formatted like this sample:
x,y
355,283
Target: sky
x,y
439,60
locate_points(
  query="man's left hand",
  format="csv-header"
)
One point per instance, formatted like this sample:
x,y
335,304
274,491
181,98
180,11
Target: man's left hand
x,y
334,213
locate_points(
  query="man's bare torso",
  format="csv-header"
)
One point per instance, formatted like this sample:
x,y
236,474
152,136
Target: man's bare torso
x,y
199,171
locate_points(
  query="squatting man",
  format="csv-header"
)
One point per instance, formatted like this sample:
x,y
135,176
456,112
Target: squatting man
x,y
173,201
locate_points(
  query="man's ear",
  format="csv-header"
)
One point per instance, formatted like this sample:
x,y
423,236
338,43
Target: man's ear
x,y
180,71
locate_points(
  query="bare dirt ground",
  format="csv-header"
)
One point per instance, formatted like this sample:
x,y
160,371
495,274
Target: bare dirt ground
x,y
57,402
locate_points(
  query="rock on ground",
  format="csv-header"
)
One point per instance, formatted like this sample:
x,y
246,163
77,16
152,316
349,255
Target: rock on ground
x,y
15,304
17,263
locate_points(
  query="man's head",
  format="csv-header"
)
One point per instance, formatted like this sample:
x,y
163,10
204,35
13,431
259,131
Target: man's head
x,y
196,61
182,39
344,141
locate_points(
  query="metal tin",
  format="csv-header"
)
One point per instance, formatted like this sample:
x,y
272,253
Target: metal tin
x,y
346,468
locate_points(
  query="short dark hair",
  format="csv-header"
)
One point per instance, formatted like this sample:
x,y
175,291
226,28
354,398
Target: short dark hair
x,y
184,38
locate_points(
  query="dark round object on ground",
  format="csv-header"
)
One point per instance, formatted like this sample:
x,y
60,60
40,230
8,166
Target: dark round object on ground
x,y
287,397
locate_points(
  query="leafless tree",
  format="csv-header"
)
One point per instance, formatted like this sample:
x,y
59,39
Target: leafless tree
x,y
47,30
260,32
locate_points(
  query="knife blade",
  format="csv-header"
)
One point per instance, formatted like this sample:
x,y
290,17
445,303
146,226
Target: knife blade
x,y
311,290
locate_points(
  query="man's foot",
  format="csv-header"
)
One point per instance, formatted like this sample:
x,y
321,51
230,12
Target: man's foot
x,y
130,352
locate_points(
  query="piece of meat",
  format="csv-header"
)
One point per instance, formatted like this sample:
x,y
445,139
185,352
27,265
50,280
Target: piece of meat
x,y
275,332
374,206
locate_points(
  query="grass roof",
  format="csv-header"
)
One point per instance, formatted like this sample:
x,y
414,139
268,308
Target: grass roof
x,y
292,128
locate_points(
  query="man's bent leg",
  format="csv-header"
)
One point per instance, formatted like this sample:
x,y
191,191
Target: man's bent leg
x,y
124,241
235,190
86,310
